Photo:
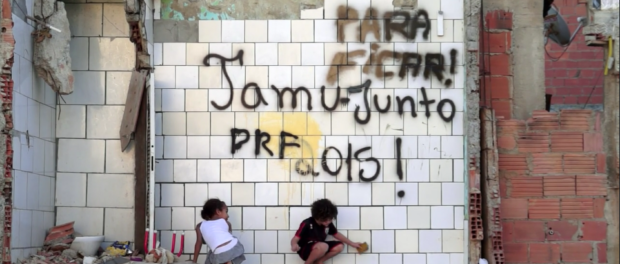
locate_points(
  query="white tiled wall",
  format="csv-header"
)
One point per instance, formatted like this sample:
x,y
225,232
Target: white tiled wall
x,y
95,179
34,146
268,198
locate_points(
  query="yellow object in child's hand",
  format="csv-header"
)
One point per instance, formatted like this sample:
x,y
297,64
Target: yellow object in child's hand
x,y
363,248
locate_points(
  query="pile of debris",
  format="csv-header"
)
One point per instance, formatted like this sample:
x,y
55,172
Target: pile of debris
x,y
56,248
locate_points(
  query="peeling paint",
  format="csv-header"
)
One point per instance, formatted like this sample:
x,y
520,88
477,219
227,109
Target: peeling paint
x,y
191,10
187,10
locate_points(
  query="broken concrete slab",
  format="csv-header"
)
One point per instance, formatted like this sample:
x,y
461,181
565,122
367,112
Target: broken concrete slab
x,y
52,58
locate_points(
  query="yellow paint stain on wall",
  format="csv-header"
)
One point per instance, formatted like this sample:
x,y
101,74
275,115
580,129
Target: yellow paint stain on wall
x,y
298,124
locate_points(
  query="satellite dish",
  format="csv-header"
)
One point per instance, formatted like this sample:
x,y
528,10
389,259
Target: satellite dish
x,y
556,28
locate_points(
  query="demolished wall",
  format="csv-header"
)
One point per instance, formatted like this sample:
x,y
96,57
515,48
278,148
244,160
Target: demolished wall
x,y
33,143
95,179
51,45
7,43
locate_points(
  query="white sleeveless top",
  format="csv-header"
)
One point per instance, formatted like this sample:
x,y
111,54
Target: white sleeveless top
x,y
215,233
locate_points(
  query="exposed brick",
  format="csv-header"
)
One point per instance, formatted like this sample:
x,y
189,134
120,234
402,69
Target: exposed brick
x,y
599,207
543,120
562,231
496,42
508,229
566,142
526,187
547,163
499,19
503,109
533,231
578,120
510,126
500,64
500,86
514,208
515,252
576,252
600,163
593,142
506,142
544,208
533,142
503,187
577,208
591,185
601,249
513,162
593,230
544,253
579,163
559,185
597,121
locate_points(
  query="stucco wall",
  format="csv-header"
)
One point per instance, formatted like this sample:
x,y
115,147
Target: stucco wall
x,y
267,194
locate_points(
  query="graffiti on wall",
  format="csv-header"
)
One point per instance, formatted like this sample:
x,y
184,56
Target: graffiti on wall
x,y
429,65
363,89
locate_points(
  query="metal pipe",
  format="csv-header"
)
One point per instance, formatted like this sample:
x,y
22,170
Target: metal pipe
x,y
151,121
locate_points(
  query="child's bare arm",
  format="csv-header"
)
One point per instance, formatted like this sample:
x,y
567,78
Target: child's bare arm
x,y
229,226
345,240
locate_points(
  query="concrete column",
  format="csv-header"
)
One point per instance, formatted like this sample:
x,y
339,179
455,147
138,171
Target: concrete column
x,y
527,54
610,139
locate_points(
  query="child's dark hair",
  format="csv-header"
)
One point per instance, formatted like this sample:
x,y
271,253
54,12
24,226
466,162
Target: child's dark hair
x,y
323,209
210,208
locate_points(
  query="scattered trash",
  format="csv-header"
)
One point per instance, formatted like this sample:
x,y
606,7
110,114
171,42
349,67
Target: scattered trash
x,y
119,249
161,255
63,245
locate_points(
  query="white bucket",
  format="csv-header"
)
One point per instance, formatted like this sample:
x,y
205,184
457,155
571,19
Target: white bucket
x,y
88,245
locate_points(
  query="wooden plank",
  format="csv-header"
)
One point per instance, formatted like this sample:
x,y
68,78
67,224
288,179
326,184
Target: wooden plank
x,y
141,174
132,107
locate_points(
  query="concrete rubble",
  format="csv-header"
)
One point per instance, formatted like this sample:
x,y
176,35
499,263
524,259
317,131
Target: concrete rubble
x,y
51,56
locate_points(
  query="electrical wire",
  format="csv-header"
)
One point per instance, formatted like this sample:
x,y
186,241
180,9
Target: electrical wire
x,y
595,84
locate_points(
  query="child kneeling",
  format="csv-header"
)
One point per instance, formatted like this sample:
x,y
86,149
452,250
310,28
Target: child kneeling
x,y
216,232
309,240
